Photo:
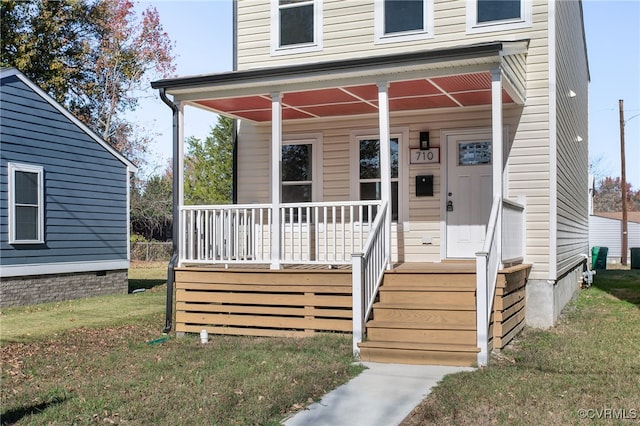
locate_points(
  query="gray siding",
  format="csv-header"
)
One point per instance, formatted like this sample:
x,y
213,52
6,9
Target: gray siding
x,y
572,171
85,185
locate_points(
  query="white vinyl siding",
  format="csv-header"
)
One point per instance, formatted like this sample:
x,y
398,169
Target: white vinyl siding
x,y
605,232
571,137
348,31
344,38
420,239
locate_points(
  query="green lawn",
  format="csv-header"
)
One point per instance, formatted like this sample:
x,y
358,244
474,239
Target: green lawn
x,y
94,361
584,370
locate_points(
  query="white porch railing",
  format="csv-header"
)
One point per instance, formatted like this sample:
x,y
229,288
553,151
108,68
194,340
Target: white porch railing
x,y
367,274
225,234
508,217
310,233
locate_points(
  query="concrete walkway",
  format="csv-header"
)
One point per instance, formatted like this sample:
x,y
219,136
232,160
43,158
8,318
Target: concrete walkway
x,y
382,395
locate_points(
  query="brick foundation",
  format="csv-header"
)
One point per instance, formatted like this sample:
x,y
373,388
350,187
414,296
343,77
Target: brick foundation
x,y
31,290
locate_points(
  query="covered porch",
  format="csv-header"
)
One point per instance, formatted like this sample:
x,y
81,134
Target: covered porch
x,y
358,239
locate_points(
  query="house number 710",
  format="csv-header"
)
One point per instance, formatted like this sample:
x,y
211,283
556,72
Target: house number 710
x,y
425,156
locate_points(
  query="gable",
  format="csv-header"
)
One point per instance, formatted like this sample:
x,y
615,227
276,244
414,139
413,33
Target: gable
x,y
85,185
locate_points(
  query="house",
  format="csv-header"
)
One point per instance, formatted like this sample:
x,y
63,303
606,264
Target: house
x,y
413,172
605,230
64,207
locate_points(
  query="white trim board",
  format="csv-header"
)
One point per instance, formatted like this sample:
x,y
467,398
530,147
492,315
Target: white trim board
x,y
61,268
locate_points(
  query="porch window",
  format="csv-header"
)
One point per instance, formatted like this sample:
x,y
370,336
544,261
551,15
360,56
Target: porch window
x,y
403,20
497,15
26,204
297,173
369,174
296,26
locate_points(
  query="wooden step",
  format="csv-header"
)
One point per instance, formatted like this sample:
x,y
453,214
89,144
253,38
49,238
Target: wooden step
x,y
435,314
446,298
444,280
420,286
419,325
458,336
418,353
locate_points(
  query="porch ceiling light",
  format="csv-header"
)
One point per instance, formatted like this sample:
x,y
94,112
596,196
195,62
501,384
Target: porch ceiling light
x,y
578,138
572,94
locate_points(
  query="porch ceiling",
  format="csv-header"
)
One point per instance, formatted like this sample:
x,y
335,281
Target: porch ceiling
x,y
440,78
462,90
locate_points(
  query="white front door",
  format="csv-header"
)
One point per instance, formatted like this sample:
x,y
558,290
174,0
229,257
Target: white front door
x,y
469,193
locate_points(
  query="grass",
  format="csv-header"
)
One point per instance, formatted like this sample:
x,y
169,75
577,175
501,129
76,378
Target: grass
x,y
584,370
87,370
49,319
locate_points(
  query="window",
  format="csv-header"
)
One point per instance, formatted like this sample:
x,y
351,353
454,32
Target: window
x,y
26,204
297,173
495,15
474,153
296,26
501,10
369,172
403,20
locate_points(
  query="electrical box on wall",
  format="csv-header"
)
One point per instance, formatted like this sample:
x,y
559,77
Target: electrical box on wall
x,y
424,186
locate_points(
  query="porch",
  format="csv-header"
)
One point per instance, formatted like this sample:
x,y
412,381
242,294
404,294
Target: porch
x,y
333,273
425,313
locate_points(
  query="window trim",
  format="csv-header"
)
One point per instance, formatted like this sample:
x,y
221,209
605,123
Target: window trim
x,y
402,134
473,27
316,45
12,168
426,32
315,140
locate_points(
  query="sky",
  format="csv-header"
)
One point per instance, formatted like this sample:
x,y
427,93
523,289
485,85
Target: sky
x,y
202,32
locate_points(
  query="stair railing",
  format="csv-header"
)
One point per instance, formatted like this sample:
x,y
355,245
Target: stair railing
x,y
367,273
487,266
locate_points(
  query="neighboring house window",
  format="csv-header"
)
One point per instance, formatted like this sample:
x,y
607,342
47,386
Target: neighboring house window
x,y
369,172
403,20
26,204
497,15
296,26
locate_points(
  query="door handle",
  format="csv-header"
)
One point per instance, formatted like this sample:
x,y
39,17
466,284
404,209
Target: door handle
x,y
449,206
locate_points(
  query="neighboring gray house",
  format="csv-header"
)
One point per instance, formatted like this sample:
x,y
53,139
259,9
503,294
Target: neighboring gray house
x,y
64,202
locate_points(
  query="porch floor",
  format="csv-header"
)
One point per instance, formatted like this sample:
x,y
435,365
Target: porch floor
x,y
446,266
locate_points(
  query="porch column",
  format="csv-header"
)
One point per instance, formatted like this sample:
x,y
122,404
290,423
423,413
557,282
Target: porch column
x,y
496,151
178,154
385,159
276,174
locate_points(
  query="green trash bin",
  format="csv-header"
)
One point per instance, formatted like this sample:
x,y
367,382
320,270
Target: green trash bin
x,y
635,258
594,256
601,259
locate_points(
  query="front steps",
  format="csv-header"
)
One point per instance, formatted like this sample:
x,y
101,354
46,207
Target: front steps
x,y
424,318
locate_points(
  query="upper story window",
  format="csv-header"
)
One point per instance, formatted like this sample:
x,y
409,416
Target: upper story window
x,y
26,204
403,20
497,15
296,26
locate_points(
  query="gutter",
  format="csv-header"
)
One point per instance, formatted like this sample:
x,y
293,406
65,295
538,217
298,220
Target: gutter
x,y
484,50
174,231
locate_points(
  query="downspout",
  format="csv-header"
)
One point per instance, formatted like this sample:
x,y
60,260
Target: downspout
x,y
234,165
176,211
